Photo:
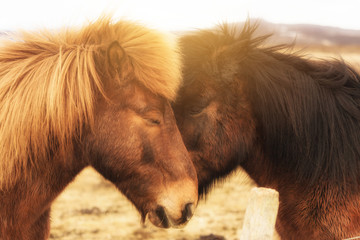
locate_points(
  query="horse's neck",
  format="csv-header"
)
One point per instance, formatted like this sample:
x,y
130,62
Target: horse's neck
x,y
260,168
32,196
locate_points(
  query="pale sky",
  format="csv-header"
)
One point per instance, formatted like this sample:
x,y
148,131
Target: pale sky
x,y
177,15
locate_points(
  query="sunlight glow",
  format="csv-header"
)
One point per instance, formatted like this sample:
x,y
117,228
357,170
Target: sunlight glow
x,y
177,15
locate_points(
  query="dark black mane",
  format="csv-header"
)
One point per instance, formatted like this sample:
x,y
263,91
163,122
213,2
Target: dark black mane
x,y
307,110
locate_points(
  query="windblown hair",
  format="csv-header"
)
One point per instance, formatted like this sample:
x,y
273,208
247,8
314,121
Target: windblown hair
x,y
307,110
49,80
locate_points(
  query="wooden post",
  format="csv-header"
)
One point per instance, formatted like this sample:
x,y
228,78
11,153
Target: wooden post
x,y
260,215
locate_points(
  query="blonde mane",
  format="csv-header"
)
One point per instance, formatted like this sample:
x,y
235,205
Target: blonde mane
x,y
48,82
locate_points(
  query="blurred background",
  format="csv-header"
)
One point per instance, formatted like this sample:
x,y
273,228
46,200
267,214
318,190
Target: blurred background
x,y
91,207
324,24
178,15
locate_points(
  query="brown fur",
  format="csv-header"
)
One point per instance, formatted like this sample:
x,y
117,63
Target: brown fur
x,y
97,96
290,122
48,81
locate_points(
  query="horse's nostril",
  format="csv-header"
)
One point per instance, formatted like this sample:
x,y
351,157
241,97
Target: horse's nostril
x,y
162,218
161,213
188,211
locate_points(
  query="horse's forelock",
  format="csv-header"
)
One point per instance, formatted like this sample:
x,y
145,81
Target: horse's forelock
x,y
220,50
153,56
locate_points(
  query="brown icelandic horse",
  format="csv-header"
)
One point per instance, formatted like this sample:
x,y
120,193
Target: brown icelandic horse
x,y
94,96
292,123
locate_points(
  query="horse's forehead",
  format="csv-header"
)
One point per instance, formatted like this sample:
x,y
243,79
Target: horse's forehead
x,y
141,97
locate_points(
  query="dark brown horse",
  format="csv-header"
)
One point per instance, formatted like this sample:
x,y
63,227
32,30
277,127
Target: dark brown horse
x,y
291,122
96,96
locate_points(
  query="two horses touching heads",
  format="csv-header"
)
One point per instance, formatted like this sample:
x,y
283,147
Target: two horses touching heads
x,y
100,96
97,96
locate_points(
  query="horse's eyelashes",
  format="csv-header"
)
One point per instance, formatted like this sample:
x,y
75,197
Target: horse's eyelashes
x,y
198,108
153,117
154,121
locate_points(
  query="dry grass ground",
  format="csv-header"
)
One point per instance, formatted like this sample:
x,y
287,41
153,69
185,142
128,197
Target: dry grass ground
x,y
91,208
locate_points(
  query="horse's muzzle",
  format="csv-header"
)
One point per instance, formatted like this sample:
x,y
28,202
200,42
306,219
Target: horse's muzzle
x,y
161,218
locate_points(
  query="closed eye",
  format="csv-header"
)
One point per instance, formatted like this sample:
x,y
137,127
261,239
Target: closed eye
x,y
153,121
198,105
153,117
195,110
198,108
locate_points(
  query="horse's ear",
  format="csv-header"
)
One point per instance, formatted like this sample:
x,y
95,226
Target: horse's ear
x,y
115,55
